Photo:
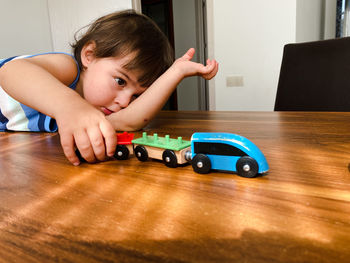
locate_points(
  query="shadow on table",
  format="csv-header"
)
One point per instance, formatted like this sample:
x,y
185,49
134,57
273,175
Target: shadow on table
x,y
29,241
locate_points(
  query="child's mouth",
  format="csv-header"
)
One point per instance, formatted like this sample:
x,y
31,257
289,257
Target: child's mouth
x,y
106,111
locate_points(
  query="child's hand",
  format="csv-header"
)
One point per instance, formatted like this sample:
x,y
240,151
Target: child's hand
x,y
187,68
86,128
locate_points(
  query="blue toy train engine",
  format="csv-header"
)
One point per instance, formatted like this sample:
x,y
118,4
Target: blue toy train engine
x,y
226,152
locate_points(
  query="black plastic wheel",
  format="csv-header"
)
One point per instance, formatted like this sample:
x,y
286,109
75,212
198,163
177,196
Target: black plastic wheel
x,y
169,158
141,153
121,152
247,167
201,164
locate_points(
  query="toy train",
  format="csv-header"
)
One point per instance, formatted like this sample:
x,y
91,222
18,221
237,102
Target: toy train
x,y
206,151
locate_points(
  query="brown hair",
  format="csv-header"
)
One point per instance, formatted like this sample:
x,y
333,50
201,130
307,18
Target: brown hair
x,y
125,32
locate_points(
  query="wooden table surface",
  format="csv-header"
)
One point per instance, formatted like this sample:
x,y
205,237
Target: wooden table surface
x,y
128,211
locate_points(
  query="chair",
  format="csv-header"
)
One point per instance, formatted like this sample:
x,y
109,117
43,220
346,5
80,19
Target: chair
x,y
315,76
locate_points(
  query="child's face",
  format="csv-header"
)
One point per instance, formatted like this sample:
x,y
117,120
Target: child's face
x,y
108,86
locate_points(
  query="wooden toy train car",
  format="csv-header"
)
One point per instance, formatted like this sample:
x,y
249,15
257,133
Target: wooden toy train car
x,y
124,146
172,151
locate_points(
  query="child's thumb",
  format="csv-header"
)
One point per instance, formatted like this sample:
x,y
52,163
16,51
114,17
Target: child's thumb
x,y
189,54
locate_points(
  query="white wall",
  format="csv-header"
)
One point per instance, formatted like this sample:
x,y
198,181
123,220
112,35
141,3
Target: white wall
x,y
67,17
248,39
24,27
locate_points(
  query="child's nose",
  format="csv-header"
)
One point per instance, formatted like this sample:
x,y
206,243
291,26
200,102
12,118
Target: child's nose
x,y
123,100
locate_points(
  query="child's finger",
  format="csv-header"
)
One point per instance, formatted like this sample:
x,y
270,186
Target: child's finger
x,y
67,143
209,67
110,137
97,143
213,71
83,144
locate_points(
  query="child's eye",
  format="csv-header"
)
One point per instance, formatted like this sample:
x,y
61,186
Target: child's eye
x,y
120,81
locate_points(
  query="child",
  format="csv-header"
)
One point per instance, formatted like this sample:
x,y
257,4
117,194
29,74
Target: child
x,y
121,56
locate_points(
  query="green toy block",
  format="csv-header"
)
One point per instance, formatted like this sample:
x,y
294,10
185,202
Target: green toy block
x,y
162,142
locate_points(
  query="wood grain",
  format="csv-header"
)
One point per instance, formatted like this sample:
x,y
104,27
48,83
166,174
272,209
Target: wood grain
x,y
130,211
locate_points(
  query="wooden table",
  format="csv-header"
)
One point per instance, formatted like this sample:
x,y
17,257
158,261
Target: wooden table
x,y
129,211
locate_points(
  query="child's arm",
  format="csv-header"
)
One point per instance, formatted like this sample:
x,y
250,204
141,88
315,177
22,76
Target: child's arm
x,y
145,107
41,83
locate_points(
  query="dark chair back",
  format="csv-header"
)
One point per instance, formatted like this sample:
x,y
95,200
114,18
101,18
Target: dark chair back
x,y
315,76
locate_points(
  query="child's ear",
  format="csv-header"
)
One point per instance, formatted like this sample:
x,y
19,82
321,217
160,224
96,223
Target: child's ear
x,y
87,54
